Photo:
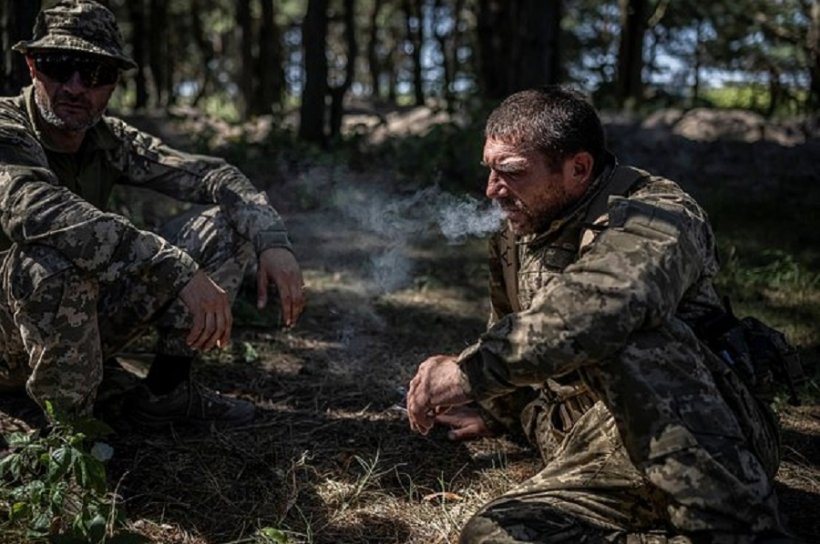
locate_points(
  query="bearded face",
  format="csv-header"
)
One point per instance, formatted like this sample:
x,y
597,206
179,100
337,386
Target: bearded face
x,y
521,182
73,101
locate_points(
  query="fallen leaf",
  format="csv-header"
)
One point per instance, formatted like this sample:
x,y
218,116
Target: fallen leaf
x,y
443,496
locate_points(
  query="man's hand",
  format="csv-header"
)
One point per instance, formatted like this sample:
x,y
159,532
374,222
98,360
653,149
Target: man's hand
x,y
279,266
465,423
211,308
436,385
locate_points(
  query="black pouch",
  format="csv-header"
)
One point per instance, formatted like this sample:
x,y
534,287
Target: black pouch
x,y
760,354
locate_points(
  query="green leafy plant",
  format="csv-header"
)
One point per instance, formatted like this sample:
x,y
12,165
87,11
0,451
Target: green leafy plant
x,y
53,484
774,269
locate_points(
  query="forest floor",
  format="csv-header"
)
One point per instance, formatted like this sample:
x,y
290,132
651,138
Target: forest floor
x,y
330,457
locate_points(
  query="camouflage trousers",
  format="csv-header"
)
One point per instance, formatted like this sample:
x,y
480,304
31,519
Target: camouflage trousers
x,y
591,491
58,324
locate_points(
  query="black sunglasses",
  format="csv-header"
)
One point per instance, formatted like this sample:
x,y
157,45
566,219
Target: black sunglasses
x,y
60,67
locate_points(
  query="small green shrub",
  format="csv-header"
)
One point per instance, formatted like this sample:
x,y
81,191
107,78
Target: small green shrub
x,y
774,269
53,485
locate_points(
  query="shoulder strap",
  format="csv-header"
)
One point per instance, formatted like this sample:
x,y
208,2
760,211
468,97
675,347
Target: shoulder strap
x,y
622,179
509,263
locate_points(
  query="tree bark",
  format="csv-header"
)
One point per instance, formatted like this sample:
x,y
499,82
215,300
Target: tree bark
x,y
246,59
205,48
813,100
629,83
314,40
373,62
17,21
415,35
519,45
697,61
392,75
136,10
337,94
158,51
271,84
445,42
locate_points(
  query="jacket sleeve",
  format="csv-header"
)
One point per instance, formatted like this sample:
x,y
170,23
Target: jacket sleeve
x,y
146,161
35,209
502,413
631,277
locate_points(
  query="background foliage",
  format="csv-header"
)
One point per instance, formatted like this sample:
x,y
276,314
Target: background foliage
x,y
375,100
246,58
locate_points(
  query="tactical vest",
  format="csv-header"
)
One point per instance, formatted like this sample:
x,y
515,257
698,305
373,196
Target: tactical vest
x,y
527,267
531,263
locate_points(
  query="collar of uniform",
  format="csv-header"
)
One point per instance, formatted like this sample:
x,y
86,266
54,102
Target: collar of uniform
x,y
97,137
579,208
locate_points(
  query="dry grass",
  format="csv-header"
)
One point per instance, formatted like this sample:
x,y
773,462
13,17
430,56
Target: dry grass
x,y
328,460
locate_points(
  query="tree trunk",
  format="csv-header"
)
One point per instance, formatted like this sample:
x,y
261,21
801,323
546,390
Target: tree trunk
x,y
492,31
696,64
519,45
246,60
136,11
158,50
372,50
337,94
16,23
314,40
448,44
414,26
171,45
629,83
204,46
775,90
813,100
271,74
392,75
544,22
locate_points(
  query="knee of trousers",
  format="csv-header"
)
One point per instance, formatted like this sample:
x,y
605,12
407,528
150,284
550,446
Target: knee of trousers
x,y
515,521
478,530
209,238
28,269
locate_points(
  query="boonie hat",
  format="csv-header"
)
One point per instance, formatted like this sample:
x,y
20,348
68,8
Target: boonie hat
x,y
78,25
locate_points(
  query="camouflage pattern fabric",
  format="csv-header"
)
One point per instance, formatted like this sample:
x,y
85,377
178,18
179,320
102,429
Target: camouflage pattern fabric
x,y
60,324
57,199
78,25
78,281
590,493
674,447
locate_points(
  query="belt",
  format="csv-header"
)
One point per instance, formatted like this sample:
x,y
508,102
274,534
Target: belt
x,y
567,411
567,404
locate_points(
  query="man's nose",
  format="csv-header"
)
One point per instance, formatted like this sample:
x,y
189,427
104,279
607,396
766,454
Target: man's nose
x,y
495,187
74,84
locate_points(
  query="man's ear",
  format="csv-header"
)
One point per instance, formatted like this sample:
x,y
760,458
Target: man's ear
x,y
582,164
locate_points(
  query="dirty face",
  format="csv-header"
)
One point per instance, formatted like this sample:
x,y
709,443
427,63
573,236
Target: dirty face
x,y
528,190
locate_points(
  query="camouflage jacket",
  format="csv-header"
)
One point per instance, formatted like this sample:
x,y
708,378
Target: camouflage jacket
x,y
567,301
58,200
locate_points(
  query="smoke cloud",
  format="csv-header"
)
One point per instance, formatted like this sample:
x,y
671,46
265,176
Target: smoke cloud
x,y
401,221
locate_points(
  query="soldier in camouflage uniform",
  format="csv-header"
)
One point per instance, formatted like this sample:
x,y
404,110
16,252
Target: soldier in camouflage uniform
x,y
596,284
78,282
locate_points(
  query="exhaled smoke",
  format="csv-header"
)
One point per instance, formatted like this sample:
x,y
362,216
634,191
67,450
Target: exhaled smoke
x,y
399,222
459,219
